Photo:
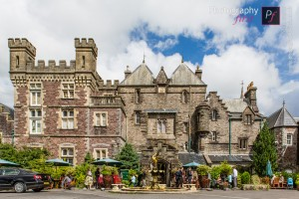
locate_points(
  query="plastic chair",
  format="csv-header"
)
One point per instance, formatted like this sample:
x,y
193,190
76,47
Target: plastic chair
x,y
290,183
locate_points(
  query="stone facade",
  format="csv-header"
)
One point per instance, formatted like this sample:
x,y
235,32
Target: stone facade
x,y
69,110
6,123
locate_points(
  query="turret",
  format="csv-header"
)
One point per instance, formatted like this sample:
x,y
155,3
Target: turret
x,y
21,52
86,54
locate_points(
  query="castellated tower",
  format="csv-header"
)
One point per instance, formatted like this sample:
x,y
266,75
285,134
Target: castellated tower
x,y
21,52
86,54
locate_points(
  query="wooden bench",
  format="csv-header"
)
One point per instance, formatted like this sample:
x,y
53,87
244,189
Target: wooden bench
x,y
117,186
191,187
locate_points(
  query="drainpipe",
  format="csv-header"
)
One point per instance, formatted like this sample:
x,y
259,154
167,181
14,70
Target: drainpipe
x,y
12,137
230,135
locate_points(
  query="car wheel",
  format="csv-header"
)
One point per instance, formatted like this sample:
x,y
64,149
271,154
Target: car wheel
x,y
36,190
19,187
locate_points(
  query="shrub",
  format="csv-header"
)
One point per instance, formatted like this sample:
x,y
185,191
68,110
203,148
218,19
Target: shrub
x,y
225,168
245,178
215,172
239,182
203,170
255,179
266,180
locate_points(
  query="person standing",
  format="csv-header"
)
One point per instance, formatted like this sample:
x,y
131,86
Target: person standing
x,y
97,174
178,177
235,177
189,175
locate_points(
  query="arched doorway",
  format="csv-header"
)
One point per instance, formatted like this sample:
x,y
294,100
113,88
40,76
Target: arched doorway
x,y
164,168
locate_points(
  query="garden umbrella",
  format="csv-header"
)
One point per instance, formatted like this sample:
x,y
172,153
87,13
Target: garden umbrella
x,y
7,163
107,161
191,164
58,162
269,169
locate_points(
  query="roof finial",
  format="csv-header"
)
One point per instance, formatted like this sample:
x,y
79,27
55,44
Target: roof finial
x,y
242,83
143,61
182,61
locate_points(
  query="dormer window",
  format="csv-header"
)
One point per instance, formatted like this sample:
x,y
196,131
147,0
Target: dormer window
x,y
214,115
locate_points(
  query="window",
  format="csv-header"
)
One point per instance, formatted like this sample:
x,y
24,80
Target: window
x,y
83,61
35,121
214,136
243,143
101,119
17,61
68,90
214,115
35,94
185,127
161,126
101,153
68,119
289,139
137,96
248,119
184,97
67,154
137,117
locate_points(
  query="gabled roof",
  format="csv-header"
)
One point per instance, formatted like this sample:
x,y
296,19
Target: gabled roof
x,y
235,105
184,76
142,75
8,110
162,77
281,118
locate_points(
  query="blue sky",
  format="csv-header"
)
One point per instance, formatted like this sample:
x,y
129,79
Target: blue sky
x,y
227,53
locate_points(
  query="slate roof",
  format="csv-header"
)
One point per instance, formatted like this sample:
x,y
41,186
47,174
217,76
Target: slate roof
x,y
235,105
184,76
237,159
186,158
281,118
142,75
8,110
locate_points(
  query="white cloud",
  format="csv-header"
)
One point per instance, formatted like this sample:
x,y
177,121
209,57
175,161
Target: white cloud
x,y
224,73
168,43
286,35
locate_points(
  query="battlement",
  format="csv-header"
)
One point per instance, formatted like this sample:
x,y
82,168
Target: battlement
x,y
21,43
52,66
84,43
109,84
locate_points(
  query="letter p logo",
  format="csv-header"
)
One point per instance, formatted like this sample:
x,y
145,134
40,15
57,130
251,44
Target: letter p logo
x,y
270,15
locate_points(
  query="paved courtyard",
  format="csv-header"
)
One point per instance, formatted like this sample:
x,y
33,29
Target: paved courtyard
x,y
216,194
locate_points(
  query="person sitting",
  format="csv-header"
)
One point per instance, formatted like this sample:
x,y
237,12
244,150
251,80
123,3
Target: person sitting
x,y
67,182
272,179
281,180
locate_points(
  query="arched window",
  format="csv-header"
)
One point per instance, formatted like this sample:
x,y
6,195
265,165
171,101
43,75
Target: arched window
x,y
214,115
184,97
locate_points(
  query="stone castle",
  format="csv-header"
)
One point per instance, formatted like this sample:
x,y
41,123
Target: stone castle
x,y
70,110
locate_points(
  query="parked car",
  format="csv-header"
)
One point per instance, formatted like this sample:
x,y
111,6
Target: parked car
x,y
20,180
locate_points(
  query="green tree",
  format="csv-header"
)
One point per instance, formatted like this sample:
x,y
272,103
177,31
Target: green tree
x,y
128,157
264,150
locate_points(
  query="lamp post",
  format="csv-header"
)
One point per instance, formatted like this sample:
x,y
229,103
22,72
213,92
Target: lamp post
x,y
229,135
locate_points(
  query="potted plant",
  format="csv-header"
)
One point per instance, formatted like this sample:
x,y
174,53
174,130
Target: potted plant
x,y
203,171
297,182
107,172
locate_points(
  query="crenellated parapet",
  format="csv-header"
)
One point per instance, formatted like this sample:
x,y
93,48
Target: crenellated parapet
x,y
52,66
84,43
21,43
109,84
